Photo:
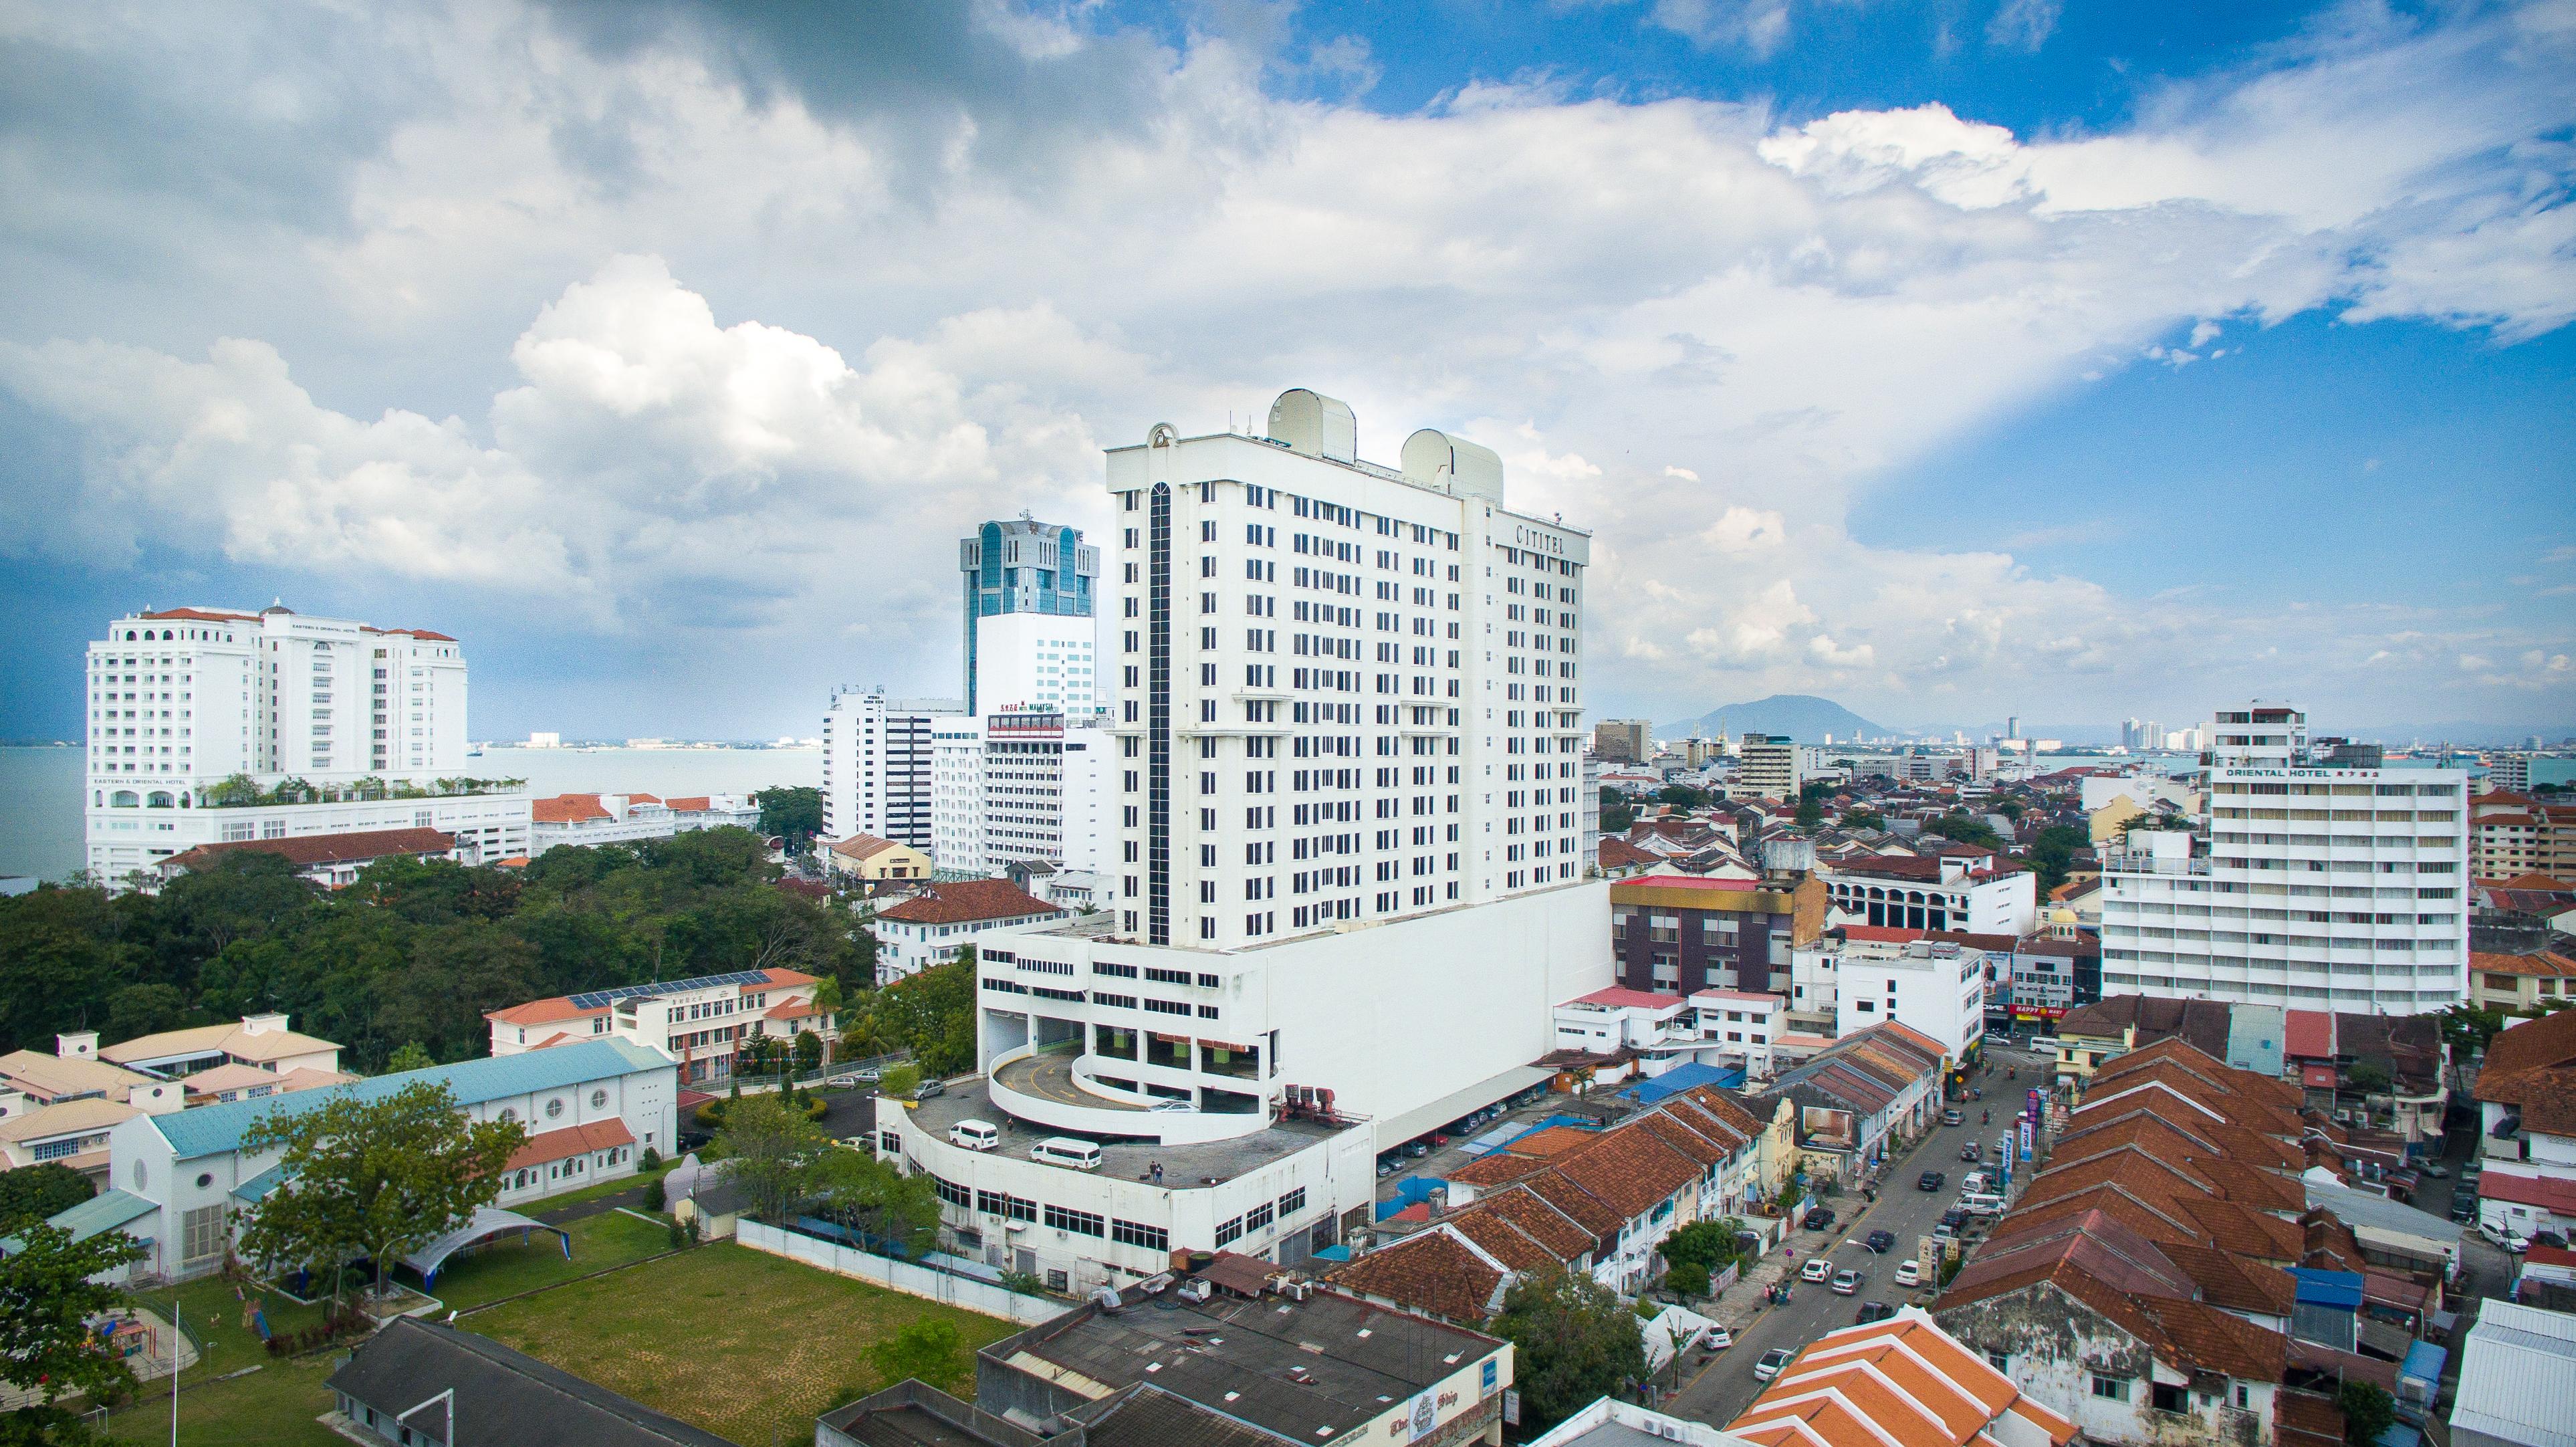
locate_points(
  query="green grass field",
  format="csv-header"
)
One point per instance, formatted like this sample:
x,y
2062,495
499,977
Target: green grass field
x,y
734,1341
508,1266
275,1405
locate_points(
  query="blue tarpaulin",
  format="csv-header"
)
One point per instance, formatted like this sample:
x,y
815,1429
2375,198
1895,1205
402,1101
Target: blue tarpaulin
x,y
1681,1078
1411,1191
2338,1289
1501,1139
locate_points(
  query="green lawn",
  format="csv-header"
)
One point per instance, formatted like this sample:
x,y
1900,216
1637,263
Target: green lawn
x,y
272,1407
604,1188
508,1266
215,1312
737,1342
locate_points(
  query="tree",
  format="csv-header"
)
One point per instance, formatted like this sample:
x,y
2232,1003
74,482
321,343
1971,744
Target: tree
x,y
794,815
1573,1340
2368,1410
1706,1243
1811,812
2470,1029
926,1348
932,1014
1617,814
1682,796
38,1192
2368,1076
1958,826
412,1056
770,1149
899,1082
809,1051
373,1178
1863,819
2052,853
46,1302
1687,1279
866,1194
2009,808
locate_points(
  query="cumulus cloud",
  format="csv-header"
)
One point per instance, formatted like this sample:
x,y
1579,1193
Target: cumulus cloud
x,y
796,320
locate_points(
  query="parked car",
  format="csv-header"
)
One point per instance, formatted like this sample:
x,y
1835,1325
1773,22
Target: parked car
x,y
1416,1149
1772,1363
2435,1169
1972,1152
1930,1181
2464,1208
1873,1311
1816,1269
930,1088
1846,1282
1909,1273
1387,1168
1717,1339
1817,1218
1954,1116
2505,1236
1879,1241
1954,1218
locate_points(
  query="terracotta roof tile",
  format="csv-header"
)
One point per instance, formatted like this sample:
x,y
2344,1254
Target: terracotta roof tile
x,y
1430,1272
306,850
970,901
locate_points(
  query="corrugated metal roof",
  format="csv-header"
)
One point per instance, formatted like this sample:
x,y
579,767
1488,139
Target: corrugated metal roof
x,y
103,1212
211,1129
2518,1376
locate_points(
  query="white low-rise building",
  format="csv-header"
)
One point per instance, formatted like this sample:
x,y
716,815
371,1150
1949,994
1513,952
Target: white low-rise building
x,y
177,1181
1933,987
1946,893
631,818
1745,1026
931,927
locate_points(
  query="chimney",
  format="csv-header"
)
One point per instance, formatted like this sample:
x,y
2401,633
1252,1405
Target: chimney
x,y
262,1024
77,1045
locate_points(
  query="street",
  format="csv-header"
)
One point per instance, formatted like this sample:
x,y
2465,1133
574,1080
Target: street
x,y
1715,1392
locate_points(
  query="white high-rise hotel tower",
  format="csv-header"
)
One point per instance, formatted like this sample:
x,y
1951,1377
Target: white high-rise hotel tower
x,y
2318,881
1344,692
182,699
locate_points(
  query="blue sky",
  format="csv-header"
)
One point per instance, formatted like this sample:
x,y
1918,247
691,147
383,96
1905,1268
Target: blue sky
x,y
1946,358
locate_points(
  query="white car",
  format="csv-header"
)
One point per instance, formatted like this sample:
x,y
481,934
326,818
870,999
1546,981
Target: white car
x,y
1909,1273
2504,1236
1770,1363
1717,1339
1846,1283
1816,1269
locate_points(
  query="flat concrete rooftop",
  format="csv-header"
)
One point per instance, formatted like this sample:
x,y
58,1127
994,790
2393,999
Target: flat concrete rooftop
x,y
1184,1165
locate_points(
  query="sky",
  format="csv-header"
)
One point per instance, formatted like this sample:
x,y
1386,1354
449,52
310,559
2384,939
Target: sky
x,y
1946,358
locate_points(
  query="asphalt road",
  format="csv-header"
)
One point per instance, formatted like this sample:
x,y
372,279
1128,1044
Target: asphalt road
x,y
1716,1392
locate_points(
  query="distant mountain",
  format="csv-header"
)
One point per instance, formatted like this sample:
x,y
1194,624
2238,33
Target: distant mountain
x,y
1801,716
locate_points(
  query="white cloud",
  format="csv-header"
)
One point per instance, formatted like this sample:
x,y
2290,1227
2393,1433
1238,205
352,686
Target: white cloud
x,y
2023,24
881,333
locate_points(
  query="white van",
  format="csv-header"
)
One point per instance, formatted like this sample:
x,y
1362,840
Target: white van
x,y
974,1135
1066,1151
1982,1203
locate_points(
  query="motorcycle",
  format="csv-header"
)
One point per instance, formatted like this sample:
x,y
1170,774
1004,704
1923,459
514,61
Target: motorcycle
x,y
1985,1117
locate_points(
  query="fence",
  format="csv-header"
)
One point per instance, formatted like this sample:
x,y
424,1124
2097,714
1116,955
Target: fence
x,y
900,1276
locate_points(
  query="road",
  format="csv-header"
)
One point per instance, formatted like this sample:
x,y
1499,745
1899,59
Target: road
x,y
1725,1386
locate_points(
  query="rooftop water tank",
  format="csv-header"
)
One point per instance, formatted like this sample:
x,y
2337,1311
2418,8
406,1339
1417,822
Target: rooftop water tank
x,y
1453,464
1316,425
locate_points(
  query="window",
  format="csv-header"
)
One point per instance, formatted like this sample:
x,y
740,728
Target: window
x,y
2113,1388
1083,1222
1292,1203
953,1193
2166,1398
201,1233
1257,1217
1136,1233
1229,1233
599,1098
2000,1361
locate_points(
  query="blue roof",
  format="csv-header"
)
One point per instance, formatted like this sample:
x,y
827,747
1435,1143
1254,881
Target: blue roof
x,y
213,1129
2340,1289
1680,1078
2424,1362
103,1212
257,1188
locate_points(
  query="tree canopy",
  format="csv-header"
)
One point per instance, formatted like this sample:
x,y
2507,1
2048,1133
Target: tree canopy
x,y
1967,830
794,815
46,1302
40,1191
2052,852
412,953
373,1178
768,1150
1573,1340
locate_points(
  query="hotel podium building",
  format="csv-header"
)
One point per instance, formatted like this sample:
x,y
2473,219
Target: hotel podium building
x,y
1351,853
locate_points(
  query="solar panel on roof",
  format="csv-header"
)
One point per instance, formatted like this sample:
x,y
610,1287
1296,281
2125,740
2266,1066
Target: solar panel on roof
x,y
600,999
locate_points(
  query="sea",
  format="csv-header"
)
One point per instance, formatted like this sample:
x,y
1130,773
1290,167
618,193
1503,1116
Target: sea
x,y
40,787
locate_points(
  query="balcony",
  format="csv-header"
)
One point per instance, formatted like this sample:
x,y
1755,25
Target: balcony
x,y
2120,861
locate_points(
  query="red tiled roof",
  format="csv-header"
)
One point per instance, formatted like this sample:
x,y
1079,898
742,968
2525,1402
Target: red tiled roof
x,y
970,901
2546,965
1620,854
563,1145
2556,1193
1880,934
304,850
1431,1272
1618,997
200,615
542,1012
694,804
567,809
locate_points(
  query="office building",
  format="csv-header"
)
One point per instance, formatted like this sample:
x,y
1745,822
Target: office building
x,y
1028,590
1769,766
185,704
2309,885
1622,740
1351,869
877,764
1017,786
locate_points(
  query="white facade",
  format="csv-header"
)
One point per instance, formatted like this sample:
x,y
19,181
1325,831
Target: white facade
x,y
181,699
957,794
1036,660
1345,692
2319,888
1896,894
629,818
188,1175
1019,785
877,760
1744,1025
1768,765
1933,987
126,839
908,947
